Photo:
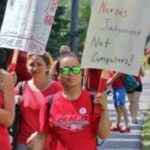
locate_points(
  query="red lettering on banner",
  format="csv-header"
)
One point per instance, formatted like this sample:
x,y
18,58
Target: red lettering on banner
x,y
49,20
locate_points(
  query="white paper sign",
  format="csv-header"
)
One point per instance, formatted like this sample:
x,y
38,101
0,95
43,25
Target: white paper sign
x,y
27,24
116,35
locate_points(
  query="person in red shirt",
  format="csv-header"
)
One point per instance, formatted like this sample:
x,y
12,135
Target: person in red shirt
x,y
119,95
34,92
7,108
71,119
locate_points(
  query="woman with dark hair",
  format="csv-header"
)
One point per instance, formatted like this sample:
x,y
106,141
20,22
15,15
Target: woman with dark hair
x,y
74,120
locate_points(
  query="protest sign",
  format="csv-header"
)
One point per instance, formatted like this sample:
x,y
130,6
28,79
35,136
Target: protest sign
x,y
116,35
27,24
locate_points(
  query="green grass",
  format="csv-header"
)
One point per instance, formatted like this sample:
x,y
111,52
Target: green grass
x,y
146,133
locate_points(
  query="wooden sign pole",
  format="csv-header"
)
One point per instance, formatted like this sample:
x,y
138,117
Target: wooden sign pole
x,y
103,81
12,66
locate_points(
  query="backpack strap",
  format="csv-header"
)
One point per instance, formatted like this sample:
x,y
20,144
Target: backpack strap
x,y
13,130
50,102
92,99
21,87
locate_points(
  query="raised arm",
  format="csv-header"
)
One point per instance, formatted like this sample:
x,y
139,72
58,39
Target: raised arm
x,y
114,77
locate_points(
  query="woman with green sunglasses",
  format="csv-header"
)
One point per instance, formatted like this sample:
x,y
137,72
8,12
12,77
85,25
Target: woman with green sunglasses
x,y
72,120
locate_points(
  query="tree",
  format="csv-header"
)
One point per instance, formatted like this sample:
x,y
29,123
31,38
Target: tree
x,y
3,52
2,10
85,10
61,30
60,33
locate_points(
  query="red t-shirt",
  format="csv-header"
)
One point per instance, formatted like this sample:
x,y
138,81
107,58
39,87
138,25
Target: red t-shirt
x,y
93,79
72,123
4,136
29,109
138,78
117,82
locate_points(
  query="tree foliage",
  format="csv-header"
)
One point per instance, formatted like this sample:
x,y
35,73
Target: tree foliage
x,y
60,33
2,10
60,30
3,52
85,10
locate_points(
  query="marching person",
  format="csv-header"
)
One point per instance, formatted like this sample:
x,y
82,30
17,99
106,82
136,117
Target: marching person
x,y
119,94
34,92
134,97
7,108
73,120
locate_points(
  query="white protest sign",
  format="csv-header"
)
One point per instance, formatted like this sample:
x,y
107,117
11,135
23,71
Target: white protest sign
x,y
92,2
27,24
116,35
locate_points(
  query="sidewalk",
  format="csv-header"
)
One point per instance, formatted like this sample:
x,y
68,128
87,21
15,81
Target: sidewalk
x,y
132,140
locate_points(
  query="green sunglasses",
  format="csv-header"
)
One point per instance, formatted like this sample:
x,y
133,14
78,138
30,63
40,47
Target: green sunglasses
x,y
67,70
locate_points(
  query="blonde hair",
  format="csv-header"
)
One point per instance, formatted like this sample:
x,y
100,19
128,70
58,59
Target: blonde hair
x,y
47,57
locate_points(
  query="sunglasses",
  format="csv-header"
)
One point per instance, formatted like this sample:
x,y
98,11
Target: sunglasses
x,y
67,70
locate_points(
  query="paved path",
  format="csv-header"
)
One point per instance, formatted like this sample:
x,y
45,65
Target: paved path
x,y
132,140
